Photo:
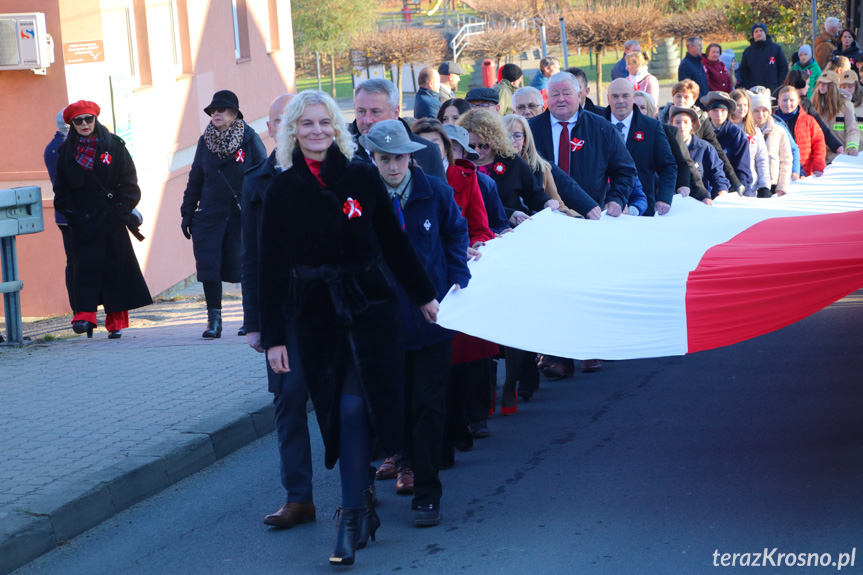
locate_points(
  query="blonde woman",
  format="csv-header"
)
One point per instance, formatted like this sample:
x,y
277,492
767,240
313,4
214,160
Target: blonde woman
x,y
642,80
328,233
759,161
837,112
553,180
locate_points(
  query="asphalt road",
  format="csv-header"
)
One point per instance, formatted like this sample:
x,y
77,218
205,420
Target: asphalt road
x,y
648,466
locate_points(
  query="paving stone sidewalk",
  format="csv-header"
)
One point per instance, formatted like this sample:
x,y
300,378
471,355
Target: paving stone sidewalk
x,y
89,427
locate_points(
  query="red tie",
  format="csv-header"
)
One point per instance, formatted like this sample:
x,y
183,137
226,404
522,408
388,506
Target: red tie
x,y
563,148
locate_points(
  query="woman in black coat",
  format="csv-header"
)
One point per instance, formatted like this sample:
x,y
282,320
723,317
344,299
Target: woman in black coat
x,y
328,235
96,189
211,202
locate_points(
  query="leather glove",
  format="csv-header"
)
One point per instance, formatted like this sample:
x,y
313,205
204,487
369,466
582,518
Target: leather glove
x,y
764,192
740,189
185,226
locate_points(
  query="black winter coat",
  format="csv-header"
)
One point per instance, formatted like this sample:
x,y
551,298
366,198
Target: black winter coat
x,y
516,186
687,171
98,206
853,53
328,272
212,199
763,64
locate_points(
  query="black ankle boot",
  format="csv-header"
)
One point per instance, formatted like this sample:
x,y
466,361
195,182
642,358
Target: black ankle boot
x,y
346,537
369,520
83,326
214,323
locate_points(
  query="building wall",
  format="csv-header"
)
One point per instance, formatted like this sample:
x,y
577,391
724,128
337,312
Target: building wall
x,y
159,112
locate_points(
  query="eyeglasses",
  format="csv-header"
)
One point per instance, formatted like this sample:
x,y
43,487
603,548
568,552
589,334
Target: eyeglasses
x,y
523,107
516,136
482,105
480,146
88,119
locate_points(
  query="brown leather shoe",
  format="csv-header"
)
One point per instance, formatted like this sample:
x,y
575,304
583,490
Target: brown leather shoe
x,y
543,361
292,513
388,469
590,365
557,370
405,482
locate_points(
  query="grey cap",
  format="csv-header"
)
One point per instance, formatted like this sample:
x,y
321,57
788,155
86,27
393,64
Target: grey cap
x,y
483,95
389,137
450,67
62,126
459,134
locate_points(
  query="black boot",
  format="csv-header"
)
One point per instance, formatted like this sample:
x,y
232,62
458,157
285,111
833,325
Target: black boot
x,y
369,520
214,324
346,537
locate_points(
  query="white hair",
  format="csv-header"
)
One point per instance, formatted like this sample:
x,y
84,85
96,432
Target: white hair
x,y
565,77
529,91
831,23
286,139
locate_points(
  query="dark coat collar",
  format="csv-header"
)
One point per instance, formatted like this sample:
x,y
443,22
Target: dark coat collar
x,y
332,171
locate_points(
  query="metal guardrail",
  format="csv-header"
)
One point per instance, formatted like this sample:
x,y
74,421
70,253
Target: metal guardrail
x,y
462,37
20,213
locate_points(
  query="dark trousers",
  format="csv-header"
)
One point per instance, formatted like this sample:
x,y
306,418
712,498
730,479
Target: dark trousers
x,y
295,449
461,381
426,373
481,389
521,370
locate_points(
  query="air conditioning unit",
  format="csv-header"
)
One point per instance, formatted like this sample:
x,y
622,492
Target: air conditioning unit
x,y
25,43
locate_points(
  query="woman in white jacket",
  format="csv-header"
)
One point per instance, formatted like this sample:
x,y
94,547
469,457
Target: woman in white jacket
x,y
777,142
758,157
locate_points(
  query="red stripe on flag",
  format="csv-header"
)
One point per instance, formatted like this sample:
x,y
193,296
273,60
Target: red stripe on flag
x,y
771,275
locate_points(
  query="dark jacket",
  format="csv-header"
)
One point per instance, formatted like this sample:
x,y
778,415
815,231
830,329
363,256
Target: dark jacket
x,y
619,70
763,64
329,273
735,144
853,52
516,186
212,199
429,159
98,206
649,148
50,157
691,68
687,171
569,191
426,103
600,164
705,132
438,234
708,164
497,220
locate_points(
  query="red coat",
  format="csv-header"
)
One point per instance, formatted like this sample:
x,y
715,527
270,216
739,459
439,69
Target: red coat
x,y
810,140
461,176
718,78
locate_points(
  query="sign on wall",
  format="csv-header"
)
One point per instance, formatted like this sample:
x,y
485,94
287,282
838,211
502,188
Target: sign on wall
x,y
85,52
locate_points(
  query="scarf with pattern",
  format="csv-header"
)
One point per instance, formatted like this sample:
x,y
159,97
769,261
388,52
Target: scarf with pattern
x,y
85,151
223,144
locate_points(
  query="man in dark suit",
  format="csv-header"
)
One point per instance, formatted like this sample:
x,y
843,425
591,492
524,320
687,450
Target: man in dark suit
x,y
647,144
376,100
583,145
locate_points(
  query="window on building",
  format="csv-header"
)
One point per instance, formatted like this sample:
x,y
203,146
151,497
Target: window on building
x,y
241,30
118,30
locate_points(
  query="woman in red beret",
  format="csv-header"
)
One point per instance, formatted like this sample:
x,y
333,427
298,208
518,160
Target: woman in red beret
x,y
96,189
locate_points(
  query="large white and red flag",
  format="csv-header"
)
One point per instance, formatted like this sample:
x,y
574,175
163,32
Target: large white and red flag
x,y
697,278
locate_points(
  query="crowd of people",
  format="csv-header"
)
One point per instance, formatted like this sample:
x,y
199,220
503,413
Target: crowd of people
x,y
348,235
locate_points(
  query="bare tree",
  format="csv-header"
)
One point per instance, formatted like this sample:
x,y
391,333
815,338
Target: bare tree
x,y
497,43
713,23
512,10
398,47
606,27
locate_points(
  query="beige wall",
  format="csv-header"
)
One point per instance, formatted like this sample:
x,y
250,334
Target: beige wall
x,y
166,118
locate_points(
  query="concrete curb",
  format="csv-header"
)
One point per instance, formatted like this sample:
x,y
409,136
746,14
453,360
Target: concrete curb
x,y
28,533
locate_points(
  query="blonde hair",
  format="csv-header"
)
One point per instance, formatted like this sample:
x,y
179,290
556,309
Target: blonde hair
x,y
748,123
286,139
636,58
528,150
649,102
828,105
686,86
489,128
838,64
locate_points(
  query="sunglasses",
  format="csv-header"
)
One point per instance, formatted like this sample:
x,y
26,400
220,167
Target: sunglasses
x,y
221,109
481,146
88,119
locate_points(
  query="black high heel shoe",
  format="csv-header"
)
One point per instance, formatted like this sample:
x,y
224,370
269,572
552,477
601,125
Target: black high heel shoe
x,y
115,334
369,520
83,326
345,547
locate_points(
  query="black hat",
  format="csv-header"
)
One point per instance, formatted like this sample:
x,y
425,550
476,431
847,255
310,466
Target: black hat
x,y
483,95
224,99
450,67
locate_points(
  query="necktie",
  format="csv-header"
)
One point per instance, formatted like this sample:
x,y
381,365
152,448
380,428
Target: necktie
x,y
397,206
563,148
620,126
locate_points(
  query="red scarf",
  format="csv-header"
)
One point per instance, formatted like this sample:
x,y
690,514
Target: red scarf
x,y
85,151
315,167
